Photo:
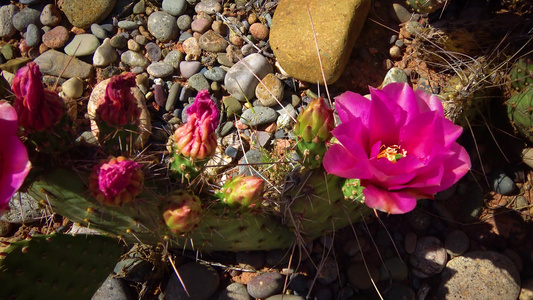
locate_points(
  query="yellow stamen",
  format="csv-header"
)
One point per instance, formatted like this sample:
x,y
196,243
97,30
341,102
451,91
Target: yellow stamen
x,y
392,153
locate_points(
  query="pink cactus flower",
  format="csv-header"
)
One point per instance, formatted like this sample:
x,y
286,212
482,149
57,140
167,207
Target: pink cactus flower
x,y
37,109
14,163
196,139
119,107
399,144
117,181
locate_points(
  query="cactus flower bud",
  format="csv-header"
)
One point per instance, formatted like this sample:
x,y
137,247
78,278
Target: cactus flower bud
x,y
14,163
183,213
116,181
196,139
37,108
242,191
315,122
119,107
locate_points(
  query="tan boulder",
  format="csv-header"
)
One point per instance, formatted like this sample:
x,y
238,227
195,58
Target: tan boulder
x,y
337,25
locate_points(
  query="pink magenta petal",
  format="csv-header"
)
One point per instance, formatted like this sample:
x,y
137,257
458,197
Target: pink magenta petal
x,y
8,119
341,162
421,135
432,102
353,136
350,105
389,202
405,97
14,167
382,123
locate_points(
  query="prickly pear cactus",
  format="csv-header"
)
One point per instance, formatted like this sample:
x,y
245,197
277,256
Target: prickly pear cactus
x,y
218,228
315,203
57,266
426,6
520,112
522,74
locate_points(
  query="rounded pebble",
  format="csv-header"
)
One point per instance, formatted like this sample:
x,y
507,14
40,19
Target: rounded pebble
x,y
215,74
212,42
501,183
153,52
56,38
258,116
127,25
82,44
270,90
184,22
191,47
174,7
234,291
33,35
119,41
259,31
50,15
202,24
189,68
265,285
26,17
133,45
7,12
163,26
160,69
105,54
174,58
198,82
429,257
134,59
210,7
98,31
201,281
456,243
480,275
73,88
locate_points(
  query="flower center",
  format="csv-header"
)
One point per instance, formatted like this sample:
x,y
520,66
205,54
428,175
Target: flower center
x,y
392,153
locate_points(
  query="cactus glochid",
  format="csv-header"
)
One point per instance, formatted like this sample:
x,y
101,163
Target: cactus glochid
x,y
520,112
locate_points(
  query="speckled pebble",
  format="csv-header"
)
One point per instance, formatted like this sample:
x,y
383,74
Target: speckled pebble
x,y
160,69
259,31
270,90
258,116
234,291
212,42
184,22
265,285
6,15
208,6
127,25
198,82
215,74
240,82
119,41
429,257
201,24
133,45
50,15
153,52
174,58
174,7
191,47
56,38
501,183
163,26
480,275
134,59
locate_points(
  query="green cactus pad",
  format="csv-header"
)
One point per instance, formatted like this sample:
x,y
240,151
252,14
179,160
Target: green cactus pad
x,y
57,266
220,229
314,204
522,74
520,112
311,153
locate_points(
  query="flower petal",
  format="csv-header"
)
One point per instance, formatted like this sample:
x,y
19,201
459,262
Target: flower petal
x,y
8,119
341,162
390,202
350,105
14,165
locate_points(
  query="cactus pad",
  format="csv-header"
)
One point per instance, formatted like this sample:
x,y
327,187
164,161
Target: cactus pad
x,y
520,112
57,266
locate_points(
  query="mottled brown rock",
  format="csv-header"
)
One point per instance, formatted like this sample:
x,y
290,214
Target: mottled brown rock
x,y
337,25
84,13
56,38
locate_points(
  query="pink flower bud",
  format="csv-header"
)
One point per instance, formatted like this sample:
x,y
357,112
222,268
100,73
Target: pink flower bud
x,y
242,191
14,163
315,122
119,107
37,108
196,139
183,213
116,181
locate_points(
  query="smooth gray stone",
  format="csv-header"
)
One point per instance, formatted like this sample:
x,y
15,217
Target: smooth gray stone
x,y
259,115
33,35
265,285
174,7
173,95
160,69
134,59
54,63
215,74
189,68
163,26
240,81
98,31
7,12
26,17
174,58
234,291
128,25
82,44
184,22
198,82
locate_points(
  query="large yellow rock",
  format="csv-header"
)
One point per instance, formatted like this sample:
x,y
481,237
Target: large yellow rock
x,y
337,25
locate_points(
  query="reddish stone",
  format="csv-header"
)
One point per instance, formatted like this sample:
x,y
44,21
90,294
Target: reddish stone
x,y
259,31
56,38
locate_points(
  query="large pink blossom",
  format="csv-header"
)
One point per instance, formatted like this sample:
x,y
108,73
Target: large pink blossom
x,y
14,163
399,144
